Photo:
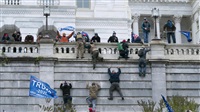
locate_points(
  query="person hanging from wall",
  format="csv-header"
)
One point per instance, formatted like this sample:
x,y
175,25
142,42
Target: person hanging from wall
x,y
92,99
169,26
66,87
114,80
113,38
80,43
146,30
65,38
142,61
123,49
94,53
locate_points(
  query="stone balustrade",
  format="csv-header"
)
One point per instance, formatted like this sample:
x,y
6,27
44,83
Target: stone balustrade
x,y
108,50
182,52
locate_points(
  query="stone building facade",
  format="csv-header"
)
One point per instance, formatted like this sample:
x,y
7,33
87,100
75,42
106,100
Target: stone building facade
x,y
100,16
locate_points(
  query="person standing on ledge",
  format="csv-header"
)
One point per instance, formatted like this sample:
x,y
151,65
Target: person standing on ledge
x,y
169,26
114,80
113,38
146,29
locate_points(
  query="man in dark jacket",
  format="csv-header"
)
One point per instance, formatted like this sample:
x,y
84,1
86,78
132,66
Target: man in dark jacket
x,y
96,38
142,61
146,29
113,38
169,26
92,99
114,80
66,92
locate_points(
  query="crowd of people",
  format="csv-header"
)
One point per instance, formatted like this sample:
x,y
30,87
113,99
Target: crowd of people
x,y
168,28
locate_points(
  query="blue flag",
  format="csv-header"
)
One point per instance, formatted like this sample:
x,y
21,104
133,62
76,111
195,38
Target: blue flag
x,y
167,105
68,28
187,35
84,34
40,89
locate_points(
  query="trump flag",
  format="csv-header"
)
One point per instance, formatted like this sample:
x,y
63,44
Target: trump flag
x,y
40,89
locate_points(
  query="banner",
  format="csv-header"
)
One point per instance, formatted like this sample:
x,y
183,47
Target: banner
x,y
167,105
187,35
68,28
40,89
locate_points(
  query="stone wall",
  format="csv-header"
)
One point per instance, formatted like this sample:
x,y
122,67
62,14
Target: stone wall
x,y
171,70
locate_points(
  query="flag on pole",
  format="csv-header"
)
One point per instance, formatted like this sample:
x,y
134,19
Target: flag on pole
x,y
68,28
167,105
187,35
40,89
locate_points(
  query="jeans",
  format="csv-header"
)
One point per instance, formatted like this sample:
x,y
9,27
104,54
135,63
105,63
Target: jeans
x,y
92,101
173,37
142,67
146,36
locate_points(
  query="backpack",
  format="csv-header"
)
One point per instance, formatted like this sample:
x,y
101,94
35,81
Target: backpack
x,y
140,52
119,46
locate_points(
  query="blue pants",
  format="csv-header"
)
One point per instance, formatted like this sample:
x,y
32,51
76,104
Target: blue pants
x,y
146,37
173,37
92,101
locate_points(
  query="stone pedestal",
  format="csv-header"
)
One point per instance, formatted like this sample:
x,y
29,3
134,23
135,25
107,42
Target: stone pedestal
x,y
46,47
158,70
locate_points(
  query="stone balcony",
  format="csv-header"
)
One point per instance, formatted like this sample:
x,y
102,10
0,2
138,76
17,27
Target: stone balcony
x,y
159,50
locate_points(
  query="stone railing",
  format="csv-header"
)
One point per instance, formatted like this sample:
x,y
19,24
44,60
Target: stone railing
x,y
108,51
11,2
182,52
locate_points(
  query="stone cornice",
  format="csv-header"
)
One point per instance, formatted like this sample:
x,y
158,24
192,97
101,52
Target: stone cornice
x,y
177,18
135,17
16,10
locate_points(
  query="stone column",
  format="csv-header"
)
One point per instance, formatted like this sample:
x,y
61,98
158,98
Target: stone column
x,y
194,38
158,27
158,70
177,19
46,66
135,18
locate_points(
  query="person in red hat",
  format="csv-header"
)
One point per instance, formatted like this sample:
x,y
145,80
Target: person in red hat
x,y
124,52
